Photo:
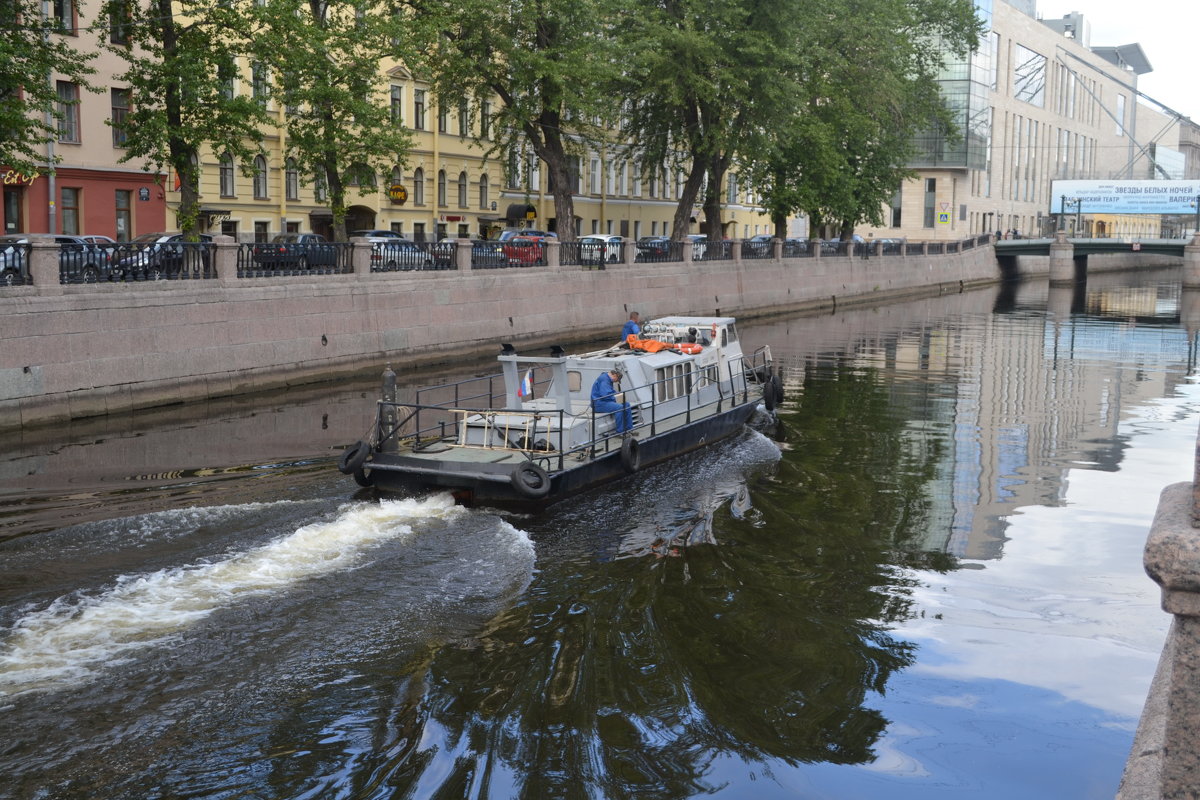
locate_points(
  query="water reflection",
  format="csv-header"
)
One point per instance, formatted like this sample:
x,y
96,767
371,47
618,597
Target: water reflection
x,y
921,581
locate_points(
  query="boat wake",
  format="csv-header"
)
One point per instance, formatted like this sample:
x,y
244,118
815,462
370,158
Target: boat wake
x,y
75,637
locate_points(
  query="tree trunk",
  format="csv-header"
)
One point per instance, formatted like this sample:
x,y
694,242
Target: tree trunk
x,y
683,211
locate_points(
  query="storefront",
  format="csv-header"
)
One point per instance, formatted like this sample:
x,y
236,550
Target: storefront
x,y
78,201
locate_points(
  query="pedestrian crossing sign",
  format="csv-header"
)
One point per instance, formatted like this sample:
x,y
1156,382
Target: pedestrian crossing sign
x,y
943,218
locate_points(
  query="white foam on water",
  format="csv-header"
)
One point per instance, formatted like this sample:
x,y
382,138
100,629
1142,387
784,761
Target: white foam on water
x,y
67,641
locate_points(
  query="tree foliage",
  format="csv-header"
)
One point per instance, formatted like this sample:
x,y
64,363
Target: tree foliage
x,y
32,53
547,61
325,62
182,60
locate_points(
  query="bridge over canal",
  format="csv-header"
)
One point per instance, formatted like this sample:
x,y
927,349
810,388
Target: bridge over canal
x,y
1068,257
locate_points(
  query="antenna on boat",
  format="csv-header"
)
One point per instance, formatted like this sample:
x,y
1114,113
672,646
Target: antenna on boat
x,y
556,351
507,349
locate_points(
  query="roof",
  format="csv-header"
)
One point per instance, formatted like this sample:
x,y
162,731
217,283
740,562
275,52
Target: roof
x,y
1126,55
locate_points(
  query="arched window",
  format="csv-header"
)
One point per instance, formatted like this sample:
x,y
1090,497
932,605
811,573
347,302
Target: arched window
x,y
462,189
397,176
441,187
359,174
260,178
291,179
419,187
228,187
483,191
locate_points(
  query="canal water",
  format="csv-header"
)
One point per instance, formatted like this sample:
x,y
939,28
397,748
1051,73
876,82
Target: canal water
x,y
921,579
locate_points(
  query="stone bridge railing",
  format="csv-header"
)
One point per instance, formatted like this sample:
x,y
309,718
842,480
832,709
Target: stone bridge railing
x,y
1165,760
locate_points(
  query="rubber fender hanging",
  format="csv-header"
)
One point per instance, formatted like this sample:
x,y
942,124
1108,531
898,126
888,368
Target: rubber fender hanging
x,y
354,457
631,455
363,478
778,388
769,394
530,480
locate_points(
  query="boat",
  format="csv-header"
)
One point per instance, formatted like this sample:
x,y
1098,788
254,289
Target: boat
x,y
528,436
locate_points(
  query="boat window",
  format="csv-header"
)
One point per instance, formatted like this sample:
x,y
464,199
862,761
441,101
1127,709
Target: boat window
x,y
574,380
732,331
673,381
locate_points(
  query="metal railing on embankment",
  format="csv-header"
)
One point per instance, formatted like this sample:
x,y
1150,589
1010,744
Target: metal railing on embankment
x,y
230,262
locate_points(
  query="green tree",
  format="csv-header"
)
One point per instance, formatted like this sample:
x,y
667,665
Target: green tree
x,y
325,58
182,61
868,89
545,60
706,81
32,50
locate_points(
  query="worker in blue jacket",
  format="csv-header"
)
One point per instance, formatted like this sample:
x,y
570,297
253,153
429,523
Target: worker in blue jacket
x,y
631,326
604,400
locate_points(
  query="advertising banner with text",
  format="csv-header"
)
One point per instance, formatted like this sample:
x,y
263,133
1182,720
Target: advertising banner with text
x,y
1124,197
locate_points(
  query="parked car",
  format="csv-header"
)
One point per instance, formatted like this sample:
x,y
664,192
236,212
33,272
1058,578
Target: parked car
x,y
375,233
794,247
699,245
526,233
523,252
390,253
653,248
600,248
155,256
79,261
760,246
295,251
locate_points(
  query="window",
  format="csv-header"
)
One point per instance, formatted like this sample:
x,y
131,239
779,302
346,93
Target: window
x,y
226,74
674,381
397,105
64,15
419,109
895,204
260,231
70,211
291,180
443,119
464,119
418,231
228,187
485,120
594,176
260,178
462,190
68,111
441,187
320,187
930,200
124,214
731,193
419,187
483,191
258,82
120,109
1029,76
359,174
118,22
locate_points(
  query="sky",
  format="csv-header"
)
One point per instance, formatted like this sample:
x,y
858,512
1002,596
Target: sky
x,y
1167,30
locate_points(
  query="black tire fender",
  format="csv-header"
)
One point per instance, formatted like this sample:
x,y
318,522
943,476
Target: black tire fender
x,y
354,457
631,455
778,388
770,393
529,480
363,478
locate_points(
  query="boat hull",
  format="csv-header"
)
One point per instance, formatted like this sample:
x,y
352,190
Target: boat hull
x,y
491,484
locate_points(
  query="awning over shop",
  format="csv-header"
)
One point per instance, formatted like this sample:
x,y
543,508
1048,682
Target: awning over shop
x,y
518,211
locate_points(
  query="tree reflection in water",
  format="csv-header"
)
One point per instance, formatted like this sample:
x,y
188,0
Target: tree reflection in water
x,y
761,637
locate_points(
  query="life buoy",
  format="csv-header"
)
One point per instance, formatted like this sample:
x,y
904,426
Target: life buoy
x,y
770,393
354,457
688,348
530,480
631,455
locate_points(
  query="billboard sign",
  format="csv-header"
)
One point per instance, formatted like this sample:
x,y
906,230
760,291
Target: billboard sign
x,y
1124,197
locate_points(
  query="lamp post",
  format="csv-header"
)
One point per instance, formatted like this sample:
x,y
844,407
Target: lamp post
x,y
1078,211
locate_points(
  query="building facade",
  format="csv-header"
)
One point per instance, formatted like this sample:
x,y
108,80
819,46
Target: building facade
x,y
88,190
1036,103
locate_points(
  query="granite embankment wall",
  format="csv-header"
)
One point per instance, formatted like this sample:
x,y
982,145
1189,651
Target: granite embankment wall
x,y
70,351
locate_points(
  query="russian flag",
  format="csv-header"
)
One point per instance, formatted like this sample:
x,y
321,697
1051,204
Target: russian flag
x,y
525,389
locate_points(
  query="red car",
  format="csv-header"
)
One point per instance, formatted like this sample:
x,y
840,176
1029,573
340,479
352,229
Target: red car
x,y
524,252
